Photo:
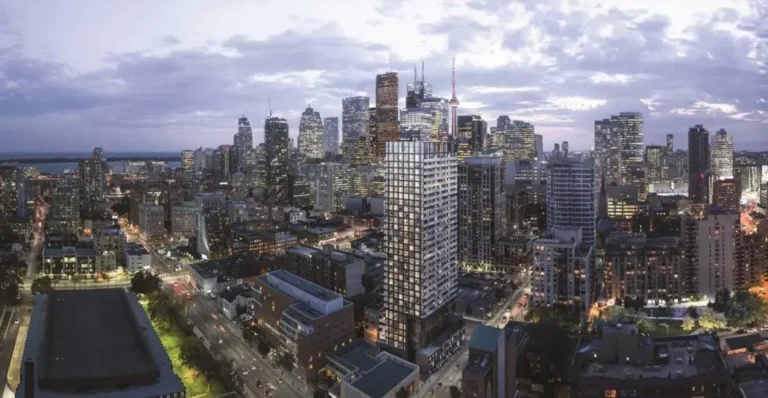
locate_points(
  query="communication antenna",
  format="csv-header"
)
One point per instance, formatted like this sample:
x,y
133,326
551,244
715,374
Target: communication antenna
x,y
269,101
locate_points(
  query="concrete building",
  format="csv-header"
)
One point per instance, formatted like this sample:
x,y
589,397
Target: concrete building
x,y
726,194
491,369
366,372
302,318
334,270
538,144
520,141
12,191
261,242
216,276
482,211
184,219
619,146
333,186
355,118
710,249
640,267
94,343
238,212
151,220
136,258
416,124
420,242
625,363
211,200
562,269
64,261
65,212
571,198
108,243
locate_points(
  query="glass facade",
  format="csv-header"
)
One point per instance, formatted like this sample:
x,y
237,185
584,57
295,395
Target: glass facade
x,y
311,135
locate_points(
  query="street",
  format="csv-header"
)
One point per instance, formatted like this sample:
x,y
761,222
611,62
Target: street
x,y
36,248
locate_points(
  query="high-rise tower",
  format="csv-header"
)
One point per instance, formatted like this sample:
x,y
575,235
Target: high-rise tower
x,y
310,140
331,135
698,165
277,161
388,129
722,155
454,103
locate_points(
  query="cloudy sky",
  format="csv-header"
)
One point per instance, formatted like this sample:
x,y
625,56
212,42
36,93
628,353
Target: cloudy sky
x,y
174,74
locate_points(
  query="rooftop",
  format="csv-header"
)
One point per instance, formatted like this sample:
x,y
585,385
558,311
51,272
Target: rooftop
x,y
235,267
316,291
380,380
484,338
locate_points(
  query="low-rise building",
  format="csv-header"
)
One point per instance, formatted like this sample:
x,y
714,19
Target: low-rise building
x,y
624,363
267,242
303,318
215,276
61,262
136,258
336,270
366,372
108,243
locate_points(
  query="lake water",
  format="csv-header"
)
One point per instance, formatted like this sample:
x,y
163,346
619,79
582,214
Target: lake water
x,y
58,168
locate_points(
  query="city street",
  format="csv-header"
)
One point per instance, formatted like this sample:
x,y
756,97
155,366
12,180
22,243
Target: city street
x,y
36,247
226,340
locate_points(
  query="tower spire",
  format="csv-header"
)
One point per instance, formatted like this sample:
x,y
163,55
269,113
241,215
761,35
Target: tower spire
x,y
453,79
422,71
269,101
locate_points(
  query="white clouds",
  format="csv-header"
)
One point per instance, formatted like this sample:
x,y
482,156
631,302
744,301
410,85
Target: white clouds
x,y
500,90
610,78
305,79
577,103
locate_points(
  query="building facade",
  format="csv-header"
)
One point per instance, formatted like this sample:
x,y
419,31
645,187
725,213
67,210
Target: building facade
x,y
387,127
698,165
331,135
310,140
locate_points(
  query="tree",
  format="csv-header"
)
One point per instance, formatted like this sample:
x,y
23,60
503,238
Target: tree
x,y
191,352
711,320
688,324
646,325
144,282
368,281
455,392
468,310
402,393
286,361
264,348
10,287
42,285
692,312
722,299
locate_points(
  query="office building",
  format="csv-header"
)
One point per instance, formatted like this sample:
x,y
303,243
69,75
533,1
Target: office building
x,y
670,143
303,318
726,194
355,118
310,141
277,157
722,155
222,162
571,198
520,141
641,267
243,145
418,91
94,343
440,116
93,175
331,135
420,241
416,124
184,219
332,269
188,161
151,220
387,127
482,211
333,186
538,144
619,146
698,165
471,135
654,156
65,211
710,249
562,269
12,191
626,363
566,148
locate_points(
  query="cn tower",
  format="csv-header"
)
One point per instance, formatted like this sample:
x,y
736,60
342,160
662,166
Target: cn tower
x,y
454,103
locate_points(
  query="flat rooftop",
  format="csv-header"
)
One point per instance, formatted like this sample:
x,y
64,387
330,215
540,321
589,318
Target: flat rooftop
x,y
384,377
313,289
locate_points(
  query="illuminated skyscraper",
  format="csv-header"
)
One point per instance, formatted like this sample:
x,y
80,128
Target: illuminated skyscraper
x,y
354,115
454,103
471,136
417,91
420,275
416,124
277,162
440,116
188,160
387,128
619,147
93,175
243,144
698,165
310,140
520,142
722,155
12,191
538,144
331,135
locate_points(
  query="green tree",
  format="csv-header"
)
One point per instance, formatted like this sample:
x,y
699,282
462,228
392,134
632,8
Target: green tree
x,y
722,299
402,393
10,287
264,348
688,324
42,285
711,320
455,392
286,361
191,352
745,310
144,282
646,325
368,281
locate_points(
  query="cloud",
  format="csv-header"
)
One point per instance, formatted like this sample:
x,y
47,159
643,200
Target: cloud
x,y
560,66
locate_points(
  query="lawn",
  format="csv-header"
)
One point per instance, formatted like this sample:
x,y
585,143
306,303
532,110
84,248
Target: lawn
x,y
675,328
194,382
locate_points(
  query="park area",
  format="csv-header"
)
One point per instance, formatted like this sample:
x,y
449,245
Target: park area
x,y
668,327
184,349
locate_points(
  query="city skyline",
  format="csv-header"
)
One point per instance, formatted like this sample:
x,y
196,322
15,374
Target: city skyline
x,y
167,87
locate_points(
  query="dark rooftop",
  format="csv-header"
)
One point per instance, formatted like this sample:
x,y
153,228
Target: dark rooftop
x,y
381,380
93,341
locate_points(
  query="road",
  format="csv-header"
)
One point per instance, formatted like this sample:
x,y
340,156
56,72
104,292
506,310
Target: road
x,y
36,248
215,327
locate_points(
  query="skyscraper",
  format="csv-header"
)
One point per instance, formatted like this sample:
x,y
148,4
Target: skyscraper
x,y
698,165
670,143
331,135
243,144
653,162
93,181
538,144
417,91
566,148
502,122
416,124
454,103
471,135
222,162
277,162
354,115
520,143
722,155
420,241
619,147
710,246
440,116
482,211
188,161
12,184
310,140
387,128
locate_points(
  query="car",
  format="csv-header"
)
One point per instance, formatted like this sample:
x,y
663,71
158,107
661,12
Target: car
x,y
267,392
272,386
253,367
280,381
245,373
440,384
752,330
220,341
259,383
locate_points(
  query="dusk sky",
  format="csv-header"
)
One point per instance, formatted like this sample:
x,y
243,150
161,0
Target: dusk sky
x,y
174,74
